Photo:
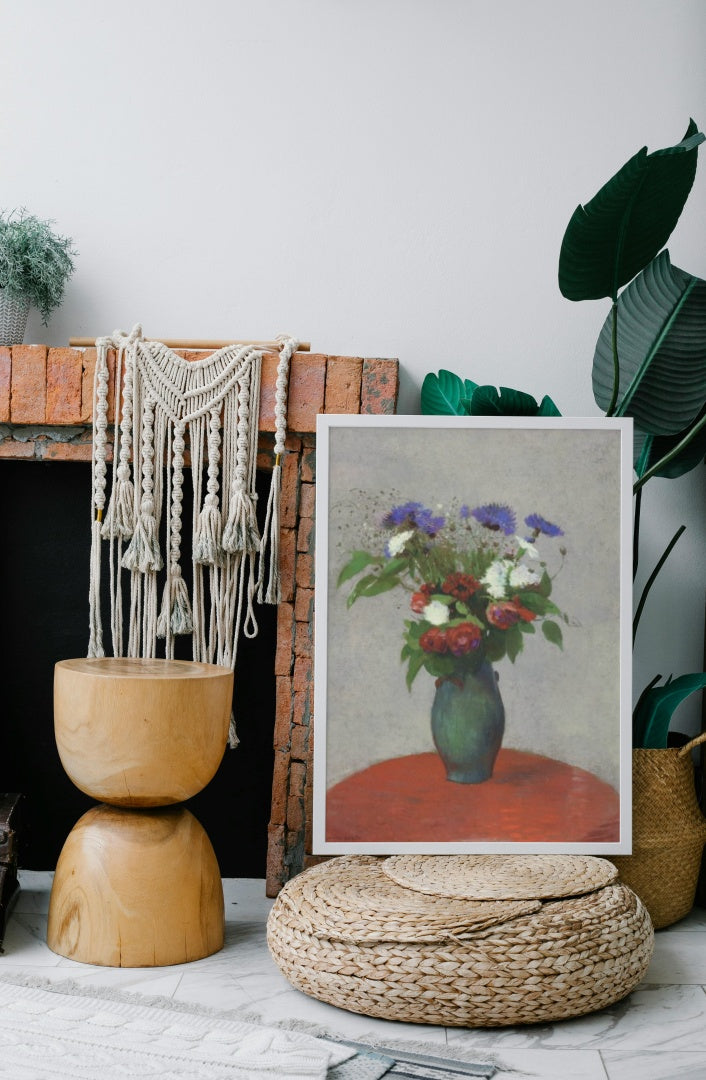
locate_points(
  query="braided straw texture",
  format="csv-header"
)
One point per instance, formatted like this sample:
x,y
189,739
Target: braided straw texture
x,y
668,834
362,904
501,877
568,958
13,318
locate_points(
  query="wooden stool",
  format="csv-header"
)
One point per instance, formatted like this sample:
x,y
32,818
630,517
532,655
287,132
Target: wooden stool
x,y
137,886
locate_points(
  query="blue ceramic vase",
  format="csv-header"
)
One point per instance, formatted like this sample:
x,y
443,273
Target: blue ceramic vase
x,y
467,725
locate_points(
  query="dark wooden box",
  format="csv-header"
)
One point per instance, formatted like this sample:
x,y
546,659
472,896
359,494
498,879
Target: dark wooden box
x,y
10,833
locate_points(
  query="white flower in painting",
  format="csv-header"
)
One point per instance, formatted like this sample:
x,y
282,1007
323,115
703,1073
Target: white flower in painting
x,y
522,576
436,613
396,543
527,548
495,578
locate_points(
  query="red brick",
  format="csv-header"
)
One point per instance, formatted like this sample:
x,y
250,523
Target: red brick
x,y
305,535
283,712
297,779
343,381
301,712
275,860
302,674
89,368
284,655
11,448
295,813
5,374
308,811
28,384
304,605
289,501
305,571
300,739
64,378
379,386
287,562
53,451
280,788
303,643
308,464
307,382
307,500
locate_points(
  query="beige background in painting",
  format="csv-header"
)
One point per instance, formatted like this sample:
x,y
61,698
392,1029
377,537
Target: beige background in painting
x,y
563,704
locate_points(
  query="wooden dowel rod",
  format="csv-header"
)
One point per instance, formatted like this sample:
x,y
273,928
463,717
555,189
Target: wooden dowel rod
x,y
173,343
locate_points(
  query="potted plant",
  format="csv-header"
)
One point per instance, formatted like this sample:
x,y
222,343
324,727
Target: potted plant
x,y
35,264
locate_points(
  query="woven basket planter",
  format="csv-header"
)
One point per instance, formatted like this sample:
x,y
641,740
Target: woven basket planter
x,y
389,951
669,832
13,318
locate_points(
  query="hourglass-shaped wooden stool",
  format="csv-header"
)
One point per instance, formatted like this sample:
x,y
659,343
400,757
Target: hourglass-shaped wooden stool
x,y
137,883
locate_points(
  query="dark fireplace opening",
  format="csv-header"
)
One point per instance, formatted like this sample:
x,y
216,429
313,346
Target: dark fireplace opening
x,y
44,561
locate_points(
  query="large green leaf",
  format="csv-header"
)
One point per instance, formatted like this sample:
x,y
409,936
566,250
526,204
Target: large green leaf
x,y
489,401
648,450
661,350
445,394
654,710
614,236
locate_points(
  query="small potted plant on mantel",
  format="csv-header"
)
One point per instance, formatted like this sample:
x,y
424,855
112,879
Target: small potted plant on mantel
x,y
35,264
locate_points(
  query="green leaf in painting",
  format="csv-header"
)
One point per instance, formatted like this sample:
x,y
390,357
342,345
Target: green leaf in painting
x,y
415,664
552,632
653,714
661,341
513,642
443,394
357,562
359,588
615,235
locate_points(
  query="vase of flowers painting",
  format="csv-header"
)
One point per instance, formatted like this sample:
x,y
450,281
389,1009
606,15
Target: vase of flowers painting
x,y
479,586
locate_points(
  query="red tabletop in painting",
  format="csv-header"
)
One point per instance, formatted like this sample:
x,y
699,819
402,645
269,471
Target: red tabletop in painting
x,y
529,798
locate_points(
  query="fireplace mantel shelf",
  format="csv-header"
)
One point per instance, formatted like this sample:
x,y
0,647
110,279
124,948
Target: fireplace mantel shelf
x,y
46,397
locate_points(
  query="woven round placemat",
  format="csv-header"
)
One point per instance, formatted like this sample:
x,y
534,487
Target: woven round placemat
x,y
500,877
569,958
361,903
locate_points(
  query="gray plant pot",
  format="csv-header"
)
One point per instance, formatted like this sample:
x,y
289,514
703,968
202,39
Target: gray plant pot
x,y
13,318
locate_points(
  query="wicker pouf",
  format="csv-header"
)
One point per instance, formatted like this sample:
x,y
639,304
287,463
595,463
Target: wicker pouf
x,y
349,933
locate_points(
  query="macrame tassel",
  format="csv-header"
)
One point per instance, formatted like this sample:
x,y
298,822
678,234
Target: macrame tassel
x,y
241,532
208,548
143,552
175,614
95,640
273,593
120,517
233,739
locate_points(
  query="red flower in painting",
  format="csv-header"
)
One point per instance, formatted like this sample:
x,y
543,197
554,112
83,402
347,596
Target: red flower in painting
x,y
434,640
463,639
525,614
418,602
460,586
502,614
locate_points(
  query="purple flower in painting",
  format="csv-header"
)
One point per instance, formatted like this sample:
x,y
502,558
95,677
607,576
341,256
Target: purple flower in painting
x,y
497,517
464,513
400,515
541,526
415,514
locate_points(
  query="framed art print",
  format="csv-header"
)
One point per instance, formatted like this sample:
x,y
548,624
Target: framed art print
x,y
472,637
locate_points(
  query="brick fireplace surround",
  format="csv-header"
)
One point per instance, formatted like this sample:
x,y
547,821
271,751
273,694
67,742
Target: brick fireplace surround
x,y
45,415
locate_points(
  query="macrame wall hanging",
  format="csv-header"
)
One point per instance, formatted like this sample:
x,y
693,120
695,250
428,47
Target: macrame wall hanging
x,y
214,403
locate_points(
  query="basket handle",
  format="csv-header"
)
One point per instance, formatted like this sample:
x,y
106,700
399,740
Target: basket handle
x,y
690,745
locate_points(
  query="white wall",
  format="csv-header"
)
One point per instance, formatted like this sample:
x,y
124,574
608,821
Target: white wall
x,y
383,177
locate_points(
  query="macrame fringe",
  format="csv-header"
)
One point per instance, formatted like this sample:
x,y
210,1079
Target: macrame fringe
x,y
273,593
95,640
233,739
241,532
120,518
208,545
175,615
142,553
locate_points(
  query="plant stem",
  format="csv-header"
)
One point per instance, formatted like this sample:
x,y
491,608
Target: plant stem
x,y
616,365
636,533
669,457
652,577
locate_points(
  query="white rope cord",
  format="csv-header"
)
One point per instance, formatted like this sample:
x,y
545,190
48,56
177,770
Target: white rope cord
x,y
160,397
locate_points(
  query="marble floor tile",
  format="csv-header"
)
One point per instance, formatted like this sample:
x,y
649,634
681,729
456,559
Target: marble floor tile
x,y
677,1065
652,1017
679,957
